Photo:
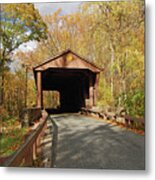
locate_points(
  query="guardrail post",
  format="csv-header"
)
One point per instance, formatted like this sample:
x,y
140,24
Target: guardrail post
x,y
34,151
29,157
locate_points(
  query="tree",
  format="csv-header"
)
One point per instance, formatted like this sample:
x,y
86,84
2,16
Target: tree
x,y
20,23
112,35
118,30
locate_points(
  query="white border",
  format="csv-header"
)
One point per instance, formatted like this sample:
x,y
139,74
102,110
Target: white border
x,y
68,174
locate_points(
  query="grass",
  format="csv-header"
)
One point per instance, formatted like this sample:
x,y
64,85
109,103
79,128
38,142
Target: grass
x,y
12,137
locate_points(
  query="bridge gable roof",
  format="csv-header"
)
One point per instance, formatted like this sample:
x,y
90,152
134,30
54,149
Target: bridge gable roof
x,y
68,59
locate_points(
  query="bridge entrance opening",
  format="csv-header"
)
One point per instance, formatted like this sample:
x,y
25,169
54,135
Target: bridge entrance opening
x,y
75,79
51,99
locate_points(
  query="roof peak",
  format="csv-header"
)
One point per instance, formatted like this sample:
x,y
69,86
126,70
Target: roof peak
x,y
66,52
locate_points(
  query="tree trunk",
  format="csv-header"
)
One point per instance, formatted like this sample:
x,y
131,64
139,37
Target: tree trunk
x,y
2,79
2,89
112,75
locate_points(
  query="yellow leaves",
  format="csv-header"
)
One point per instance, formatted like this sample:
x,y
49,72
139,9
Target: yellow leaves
x,y
85,7
52,18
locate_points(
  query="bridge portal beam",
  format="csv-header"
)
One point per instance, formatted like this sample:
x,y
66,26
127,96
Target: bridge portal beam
x,y
39,90
96,89
91,96
94,96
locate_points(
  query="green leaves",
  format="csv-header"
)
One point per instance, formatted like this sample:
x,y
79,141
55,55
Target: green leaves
x,y
20,23
133,101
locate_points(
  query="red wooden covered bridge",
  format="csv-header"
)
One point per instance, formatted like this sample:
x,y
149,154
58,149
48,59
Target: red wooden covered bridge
x,y
75,78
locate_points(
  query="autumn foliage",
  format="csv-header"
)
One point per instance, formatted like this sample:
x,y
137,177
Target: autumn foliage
x,y
110,34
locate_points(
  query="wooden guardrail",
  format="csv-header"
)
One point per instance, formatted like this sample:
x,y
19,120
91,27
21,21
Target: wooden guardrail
x,y
27,153
127,120
29,115
133,122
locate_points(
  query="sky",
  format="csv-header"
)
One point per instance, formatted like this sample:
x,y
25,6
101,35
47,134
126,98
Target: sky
x,y
49,8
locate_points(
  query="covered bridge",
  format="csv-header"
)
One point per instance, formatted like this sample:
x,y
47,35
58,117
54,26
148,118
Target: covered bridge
x,y
75,78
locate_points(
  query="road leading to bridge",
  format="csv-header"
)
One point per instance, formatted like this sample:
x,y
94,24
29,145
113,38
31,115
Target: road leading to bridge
x,y
84,142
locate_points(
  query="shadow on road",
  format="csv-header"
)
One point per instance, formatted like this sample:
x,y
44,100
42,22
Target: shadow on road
x,y
54,142
87,143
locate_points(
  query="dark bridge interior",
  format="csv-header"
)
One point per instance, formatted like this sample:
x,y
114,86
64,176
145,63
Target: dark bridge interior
x,y
72,84
75,80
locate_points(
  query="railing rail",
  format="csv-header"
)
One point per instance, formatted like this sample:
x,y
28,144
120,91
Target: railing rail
x,y
27,152
29,115
127,120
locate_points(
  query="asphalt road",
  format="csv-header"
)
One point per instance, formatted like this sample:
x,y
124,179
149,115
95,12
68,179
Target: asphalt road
x,y
85,142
